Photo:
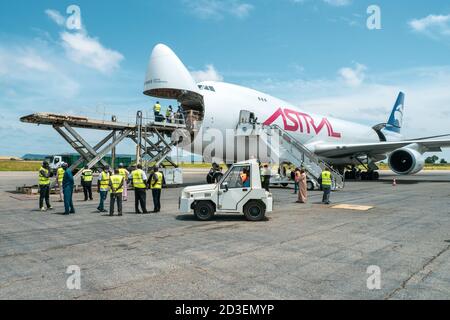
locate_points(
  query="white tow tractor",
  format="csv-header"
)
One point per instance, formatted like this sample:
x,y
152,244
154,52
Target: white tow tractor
x,y
230,195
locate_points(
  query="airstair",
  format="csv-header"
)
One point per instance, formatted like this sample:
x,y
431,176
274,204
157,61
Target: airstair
x,y
284,148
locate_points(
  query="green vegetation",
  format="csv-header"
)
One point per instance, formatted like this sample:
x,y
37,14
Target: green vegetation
x,y
429,166
12,165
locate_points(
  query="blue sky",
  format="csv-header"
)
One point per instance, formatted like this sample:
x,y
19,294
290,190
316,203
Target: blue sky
x,y
318,54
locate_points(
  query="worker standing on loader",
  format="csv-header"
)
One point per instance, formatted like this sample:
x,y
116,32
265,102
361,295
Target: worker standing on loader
x,y
157,111
139,179
326,185
103,188
59,178
156,183
86,182
124,173
116,182
44,186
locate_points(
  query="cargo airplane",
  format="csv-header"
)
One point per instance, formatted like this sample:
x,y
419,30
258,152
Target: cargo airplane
x,y
212,104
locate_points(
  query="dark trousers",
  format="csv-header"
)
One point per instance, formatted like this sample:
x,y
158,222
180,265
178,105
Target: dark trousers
x,y
87,190
68,202
266,184
44,193
156,194
103,196
115,197
326,194
140,197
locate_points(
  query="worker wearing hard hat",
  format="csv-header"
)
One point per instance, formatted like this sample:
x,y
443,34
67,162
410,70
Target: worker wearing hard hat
x,y
86,182
103,188
68,184
156,183
139,179
59,178
124,173
326,185
44,186
116,182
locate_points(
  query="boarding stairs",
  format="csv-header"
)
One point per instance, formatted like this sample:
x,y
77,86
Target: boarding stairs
x,y
284,148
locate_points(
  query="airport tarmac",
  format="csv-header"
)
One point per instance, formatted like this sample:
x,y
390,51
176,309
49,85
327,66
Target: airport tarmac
x,y
301,252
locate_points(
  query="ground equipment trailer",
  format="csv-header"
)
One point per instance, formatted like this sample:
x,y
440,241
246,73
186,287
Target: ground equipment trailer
x,y
230,195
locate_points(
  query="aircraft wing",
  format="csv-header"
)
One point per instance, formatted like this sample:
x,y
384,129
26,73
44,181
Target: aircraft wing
x,y
334,151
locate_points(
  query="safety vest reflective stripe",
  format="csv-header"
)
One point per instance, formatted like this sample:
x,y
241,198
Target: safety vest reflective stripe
x,y
158,184
326,178
157,107
123,173
60,175
86,175
104,183
116,180
43,181
138,182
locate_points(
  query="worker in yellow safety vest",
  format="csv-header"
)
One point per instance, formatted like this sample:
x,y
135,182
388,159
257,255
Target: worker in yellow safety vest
x,y
156,183
157,111
86,182
116,182
124,173
60,177
103,188
139,179
326,185
44,186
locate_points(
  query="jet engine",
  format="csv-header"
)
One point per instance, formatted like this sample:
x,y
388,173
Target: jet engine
x,y
406,161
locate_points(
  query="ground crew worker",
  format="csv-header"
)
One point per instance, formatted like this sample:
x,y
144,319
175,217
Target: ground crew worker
x,y
86,182
139,179
103,188
116,182
44,186
266,175
157,111
59,177
68,183
124,173
326,185
156,182
169,114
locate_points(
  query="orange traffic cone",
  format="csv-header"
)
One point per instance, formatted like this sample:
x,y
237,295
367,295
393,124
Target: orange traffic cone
x,y
394,183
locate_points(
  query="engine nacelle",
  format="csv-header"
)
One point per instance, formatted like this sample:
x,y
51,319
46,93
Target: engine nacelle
x,y
406,161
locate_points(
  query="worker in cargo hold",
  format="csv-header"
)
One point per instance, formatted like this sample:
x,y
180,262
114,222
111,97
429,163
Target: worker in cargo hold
x,y
103,188
139,179
326,185
59,178
68,184
44,186
86,182
156,183
116,183
124,173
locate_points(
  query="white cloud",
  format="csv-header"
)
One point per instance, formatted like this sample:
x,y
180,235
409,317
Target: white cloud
x,y
353,76
209,74
217,9
88,51
433,25
338,3
55,16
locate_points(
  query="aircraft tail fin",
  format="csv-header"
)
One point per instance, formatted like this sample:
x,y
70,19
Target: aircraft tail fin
x,y
395,121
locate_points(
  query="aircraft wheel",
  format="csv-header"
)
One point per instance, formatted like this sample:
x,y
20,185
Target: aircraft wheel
x,y
310,186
